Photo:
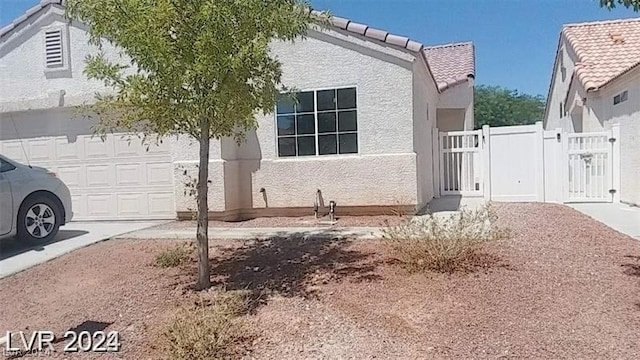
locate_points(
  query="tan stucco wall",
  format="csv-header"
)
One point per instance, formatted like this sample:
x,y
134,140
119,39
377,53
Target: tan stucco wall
x,y
384,172
24,83
559,87
627,114
451,119
425,98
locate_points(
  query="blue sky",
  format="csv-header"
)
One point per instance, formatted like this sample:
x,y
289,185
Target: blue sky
x,y
515,39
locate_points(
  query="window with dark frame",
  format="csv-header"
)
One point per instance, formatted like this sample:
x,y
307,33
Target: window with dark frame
x,y
322,122
622,97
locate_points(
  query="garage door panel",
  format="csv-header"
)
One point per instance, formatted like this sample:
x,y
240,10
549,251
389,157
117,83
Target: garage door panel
x,y
100,175
79,204
161,148
127,146
72,176
15,150
42,150
96,148
131,204
129,175
101,205
159,174
66,150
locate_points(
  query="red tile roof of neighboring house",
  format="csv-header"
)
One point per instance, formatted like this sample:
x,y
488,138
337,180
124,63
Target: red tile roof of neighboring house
x,y
605,49
448,64
452,64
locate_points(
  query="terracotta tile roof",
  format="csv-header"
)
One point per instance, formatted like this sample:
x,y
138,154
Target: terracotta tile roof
x,y
605,49
449,64
452,64
17,21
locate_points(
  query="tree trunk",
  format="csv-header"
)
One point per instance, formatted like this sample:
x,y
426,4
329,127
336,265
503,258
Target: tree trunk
x,y
202,236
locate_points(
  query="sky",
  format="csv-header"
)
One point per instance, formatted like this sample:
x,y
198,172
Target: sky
x,y
515,40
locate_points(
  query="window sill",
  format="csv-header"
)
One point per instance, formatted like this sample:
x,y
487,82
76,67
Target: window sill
x,y
316,157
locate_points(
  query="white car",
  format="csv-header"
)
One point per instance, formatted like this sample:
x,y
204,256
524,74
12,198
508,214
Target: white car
x,y
34,203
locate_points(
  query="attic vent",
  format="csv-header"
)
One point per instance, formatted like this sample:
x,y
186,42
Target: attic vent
x,y
53,48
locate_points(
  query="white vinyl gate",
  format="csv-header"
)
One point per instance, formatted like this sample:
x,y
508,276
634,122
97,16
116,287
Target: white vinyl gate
x,y
526,163
460,156
589,166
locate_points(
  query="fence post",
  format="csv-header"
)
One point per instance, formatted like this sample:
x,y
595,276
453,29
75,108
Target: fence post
x,y
435,151
539,161
486,161
615,162
565,174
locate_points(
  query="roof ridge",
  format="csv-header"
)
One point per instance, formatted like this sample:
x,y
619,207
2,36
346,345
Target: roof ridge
x,y
27,14
599,22
453,44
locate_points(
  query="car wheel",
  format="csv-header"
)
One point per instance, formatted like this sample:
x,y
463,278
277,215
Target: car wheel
x,y
38,220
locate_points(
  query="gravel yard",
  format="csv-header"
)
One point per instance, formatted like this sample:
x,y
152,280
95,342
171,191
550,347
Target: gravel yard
x,y
564,286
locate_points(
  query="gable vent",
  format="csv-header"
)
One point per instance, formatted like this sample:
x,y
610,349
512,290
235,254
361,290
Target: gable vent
x,y
53,48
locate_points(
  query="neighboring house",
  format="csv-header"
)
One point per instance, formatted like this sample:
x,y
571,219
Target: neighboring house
x,y
595,84
362,132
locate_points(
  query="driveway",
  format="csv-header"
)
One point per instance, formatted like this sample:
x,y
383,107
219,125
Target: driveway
x,y
623,218
15,257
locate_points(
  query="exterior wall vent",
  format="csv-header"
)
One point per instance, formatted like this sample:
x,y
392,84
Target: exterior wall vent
x,y
56,56
54,49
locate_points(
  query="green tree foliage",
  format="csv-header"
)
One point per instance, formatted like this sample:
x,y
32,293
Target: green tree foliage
x,y
195,67
610,4
498,106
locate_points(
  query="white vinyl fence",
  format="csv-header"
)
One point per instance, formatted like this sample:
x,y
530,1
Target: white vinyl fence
x,y
526,163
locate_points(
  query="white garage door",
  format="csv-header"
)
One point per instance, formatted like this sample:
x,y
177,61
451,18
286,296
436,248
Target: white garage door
x,y
117,179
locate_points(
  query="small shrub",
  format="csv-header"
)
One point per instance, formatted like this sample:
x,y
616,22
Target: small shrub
x,y
400,208
211,329
442,243
174,256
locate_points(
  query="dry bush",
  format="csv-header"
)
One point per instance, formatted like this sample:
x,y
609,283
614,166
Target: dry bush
x,y
212,328
402,207
175,256
443,243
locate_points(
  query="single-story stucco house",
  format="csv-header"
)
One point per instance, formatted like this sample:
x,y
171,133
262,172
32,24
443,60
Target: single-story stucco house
x,y
595,84
370,105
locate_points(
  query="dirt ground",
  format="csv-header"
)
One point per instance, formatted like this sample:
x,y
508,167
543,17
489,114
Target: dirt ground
x,y
303,221
564,286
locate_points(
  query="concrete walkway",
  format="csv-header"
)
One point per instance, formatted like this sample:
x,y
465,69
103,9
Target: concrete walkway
x,y
15,256
257,233
623,218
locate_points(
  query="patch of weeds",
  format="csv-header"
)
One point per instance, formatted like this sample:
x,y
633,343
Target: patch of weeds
x,y
402,208
211,328
443,243
175,256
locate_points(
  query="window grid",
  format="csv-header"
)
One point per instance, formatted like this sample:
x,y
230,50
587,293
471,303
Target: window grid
x,y
316,112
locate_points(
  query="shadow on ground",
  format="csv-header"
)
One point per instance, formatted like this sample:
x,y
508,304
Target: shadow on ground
x,y
291,264
14,246
632,269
